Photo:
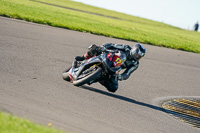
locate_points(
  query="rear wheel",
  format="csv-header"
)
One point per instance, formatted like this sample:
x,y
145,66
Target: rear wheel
x,y
88,76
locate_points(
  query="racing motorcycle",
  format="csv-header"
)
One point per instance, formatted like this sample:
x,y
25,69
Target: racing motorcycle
x,y
97,68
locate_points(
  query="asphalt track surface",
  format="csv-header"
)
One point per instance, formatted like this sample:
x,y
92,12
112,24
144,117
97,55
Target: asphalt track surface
x,y
33,56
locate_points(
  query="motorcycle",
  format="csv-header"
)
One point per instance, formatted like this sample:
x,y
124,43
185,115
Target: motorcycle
x,y
96,68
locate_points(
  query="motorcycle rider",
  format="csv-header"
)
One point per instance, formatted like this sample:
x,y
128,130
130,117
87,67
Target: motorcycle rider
x,y
133,55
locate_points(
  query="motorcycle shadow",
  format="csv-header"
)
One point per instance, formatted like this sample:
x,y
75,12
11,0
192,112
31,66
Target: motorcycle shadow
x,y
188,118
123,98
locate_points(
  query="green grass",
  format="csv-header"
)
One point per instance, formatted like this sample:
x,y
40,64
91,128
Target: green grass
x,y
13,124
126,27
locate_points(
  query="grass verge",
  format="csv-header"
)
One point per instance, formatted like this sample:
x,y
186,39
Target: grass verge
x,y
13,124
102,22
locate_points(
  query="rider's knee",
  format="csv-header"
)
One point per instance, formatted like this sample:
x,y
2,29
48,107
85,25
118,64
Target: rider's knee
x,y
112,88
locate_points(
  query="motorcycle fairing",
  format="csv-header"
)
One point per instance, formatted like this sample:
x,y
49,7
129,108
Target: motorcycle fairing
x,y
111,61
117,61
74,72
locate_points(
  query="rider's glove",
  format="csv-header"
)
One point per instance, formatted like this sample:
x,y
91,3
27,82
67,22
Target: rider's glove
x,y
100,49
103,49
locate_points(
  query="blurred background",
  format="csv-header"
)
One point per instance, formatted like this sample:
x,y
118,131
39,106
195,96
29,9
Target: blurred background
x,y
179,13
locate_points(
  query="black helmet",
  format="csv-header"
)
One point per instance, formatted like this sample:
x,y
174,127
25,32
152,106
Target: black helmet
x,y
137,52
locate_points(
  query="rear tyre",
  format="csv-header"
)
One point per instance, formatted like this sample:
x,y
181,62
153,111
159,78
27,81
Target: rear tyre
x,y
95,74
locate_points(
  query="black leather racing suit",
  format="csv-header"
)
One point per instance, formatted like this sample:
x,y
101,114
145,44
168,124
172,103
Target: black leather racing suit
x,y
129,66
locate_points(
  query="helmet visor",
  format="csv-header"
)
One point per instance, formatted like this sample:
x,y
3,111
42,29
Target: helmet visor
x,y
136,56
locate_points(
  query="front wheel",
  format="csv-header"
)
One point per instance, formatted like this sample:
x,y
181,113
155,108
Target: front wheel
x,y
88,76
65,75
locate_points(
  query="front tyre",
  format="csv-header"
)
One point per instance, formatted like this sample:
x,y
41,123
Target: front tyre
x,y
65,75
88,77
